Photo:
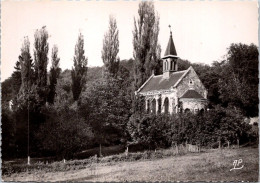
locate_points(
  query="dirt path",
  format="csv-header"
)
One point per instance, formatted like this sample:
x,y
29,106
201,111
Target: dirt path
x,y
211,166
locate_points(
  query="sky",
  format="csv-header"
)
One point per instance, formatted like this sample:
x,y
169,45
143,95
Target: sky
x,y
202,30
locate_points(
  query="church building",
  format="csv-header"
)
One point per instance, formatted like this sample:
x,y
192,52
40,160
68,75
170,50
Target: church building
x,y
173,91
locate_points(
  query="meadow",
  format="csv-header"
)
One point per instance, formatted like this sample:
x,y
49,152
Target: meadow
x,y
160,165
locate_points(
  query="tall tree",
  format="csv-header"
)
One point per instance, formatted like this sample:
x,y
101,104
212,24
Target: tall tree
x,y
240,87
11,86
27,72
54,74
41,48
145,41
106,115
111,48
79,71
23,106
17,81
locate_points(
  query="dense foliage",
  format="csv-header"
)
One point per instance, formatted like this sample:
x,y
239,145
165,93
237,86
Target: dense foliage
x,y
41,49
111,48
54,74
147,51
240,87
207,129
79,71
106,114
64,132
64,112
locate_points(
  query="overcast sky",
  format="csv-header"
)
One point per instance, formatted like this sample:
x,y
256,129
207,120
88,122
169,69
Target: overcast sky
x,y
202,31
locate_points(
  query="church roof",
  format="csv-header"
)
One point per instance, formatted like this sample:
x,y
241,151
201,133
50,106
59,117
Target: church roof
x,y
160,83
170,50
192,94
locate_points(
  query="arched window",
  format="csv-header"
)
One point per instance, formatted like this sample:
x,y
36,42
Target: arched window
x,y
159,105
148,106
166,65
172,65
187,110
173,106
166,105
202,111
154,106
180,106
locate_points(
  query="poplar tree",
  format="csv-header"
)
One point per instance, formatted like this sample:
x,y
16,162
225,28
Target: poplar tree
x,y
17,80
145,42
111,48
79,70
41,48
54,74
27,72
23,105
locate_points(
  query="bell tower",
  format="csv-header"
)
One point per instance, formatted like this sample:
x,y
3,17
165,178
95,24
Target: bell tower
x,y
170,58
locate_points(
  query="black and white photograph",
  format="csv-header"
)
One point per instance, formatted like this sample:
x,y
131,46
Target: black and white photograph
x,y
129,91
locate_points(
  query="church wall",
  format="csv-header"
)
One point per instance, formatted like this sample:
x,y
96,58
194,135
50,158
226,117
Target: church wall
x,y
193,105
175,93
172,101
184,85
171,95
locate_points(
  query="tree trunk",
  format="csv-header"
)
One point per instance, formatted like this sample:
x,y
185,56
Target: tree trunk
x,y
100,154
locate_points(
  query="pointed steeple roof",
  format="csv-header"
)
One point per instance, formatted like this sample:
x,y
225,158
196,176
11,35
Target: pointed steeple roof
x,y
170,50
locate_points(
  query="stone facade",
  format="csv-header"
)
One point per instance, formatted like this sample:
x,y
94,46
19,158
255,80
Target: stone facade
x,y
196,84
171,101
193,105
174,91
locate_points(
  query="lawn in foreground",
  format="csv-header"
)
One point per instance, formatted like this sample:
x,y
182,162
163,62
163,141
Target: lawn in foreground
x,y
213,165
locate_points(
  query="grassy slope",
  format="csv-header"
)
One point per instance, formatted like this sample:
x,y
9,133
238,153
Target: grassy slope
x,y
213,165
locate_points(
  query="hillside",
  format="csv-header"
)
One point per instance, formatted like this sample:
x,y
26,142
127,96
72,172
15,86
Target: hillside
x,y
212,165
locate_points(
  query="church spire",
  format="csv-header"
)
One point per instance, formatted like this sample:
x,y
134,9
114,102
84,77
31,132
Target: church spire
x,y
170,50
170,58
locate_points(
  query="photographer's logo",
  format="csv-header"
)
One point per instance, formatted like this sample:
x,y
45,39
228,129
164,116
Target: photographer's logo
x,y
237,165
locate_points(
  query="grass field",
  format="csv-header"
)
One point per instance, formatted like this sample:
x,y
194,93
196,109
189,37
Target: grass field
x,y
210,165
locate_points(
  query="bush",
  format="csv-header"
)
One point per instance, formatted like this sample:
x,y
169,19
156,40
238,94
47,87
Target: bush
x,y
149,130
160,131
64,132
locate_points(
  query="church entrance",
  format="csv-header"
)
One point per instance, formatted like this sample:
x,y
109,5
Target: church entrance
x,y
166,105
154,106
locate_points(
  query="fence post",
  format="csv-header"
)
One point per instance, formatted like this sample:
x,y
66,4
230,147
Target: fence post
x,y
219,144
238,143
176,145
29,160
126,151
100,154
228,144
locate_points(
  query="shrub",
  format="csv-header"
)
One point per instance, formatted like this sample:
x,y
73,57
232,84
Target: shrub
x,y
64,132
160,131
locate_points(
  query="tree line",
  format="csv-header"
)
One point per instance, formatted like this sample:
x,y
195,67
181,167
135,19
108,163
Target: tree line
x,y
64,112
